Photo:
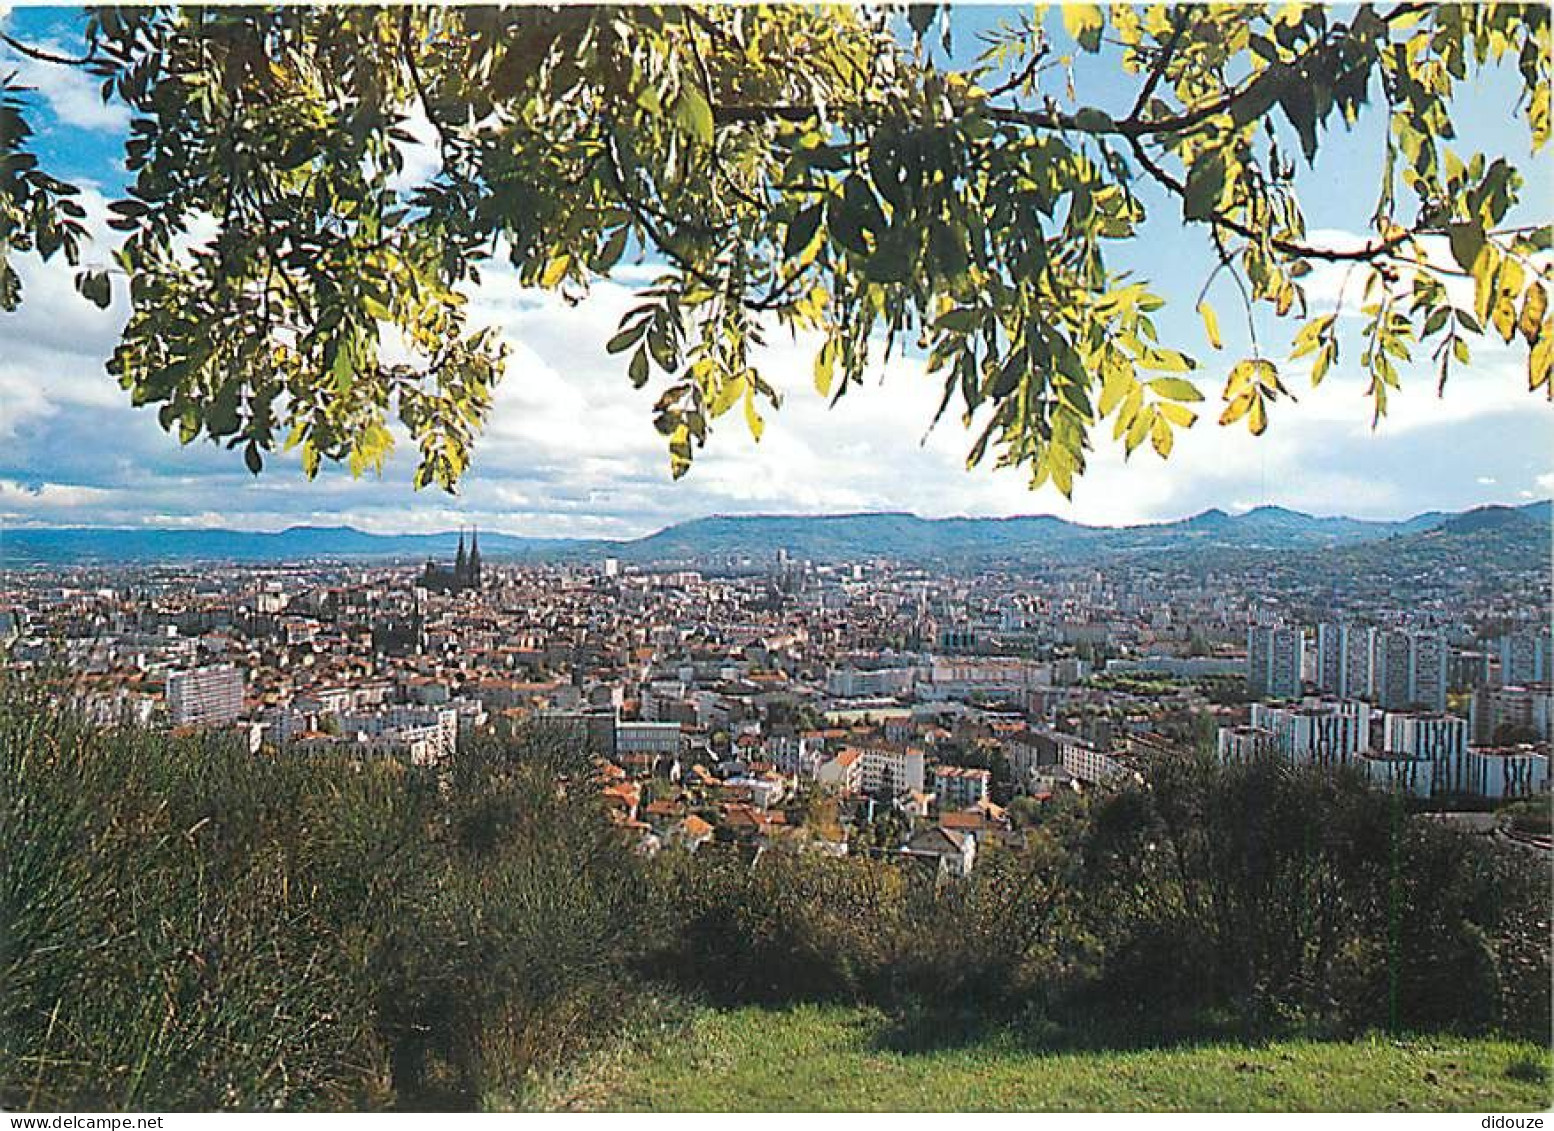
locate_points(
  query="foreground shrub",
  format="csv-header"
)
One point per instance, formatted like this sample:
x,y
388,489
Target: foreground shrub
x,y
1293,894
185,926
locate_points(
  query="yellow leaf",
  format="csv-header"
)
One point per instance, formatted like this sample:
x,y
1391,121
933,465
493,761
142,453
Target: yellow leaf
x,y
725,396
1084,22
752,417
1257,419
1486,265
1534,306
1160,435
1236,409
1210,324
555,271
824,369
1504,317
1175,389
1540,360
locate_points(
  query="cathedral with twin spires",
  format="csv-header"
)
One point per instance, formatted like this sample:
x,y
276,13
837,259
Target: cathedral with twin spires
x,y
464,575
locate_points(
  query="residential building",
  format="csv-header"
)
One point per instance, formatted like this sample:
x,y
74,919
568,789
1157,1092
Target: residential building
x,y
1323,732
1524,658
1343,666
205,696
1245,744
1442,739
1410,671
1401,773
1497,773
1511,714
1273,657
959,787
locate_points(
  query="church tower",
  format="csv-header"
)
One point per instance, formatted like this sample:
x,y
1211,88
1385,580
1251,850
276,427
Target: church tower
x,y
474,559
460,563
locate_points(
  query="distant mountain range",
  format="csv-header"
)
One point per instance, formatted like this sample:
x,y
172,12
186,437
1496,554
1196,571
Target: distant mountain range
x,y
826,538
297,544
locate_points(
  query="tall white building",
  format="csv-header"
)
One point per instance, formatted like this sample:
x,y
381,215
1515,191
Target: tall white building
x,y
1524,658
1402,773
1443,739
1273,662
1498,772
207,696
1410,671
1245,744
1529,711
1323,732
1343,665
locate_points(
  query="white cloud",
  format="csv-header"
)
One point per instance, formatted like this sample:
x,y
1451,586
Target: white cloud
x,y
51,495
570,449
74,96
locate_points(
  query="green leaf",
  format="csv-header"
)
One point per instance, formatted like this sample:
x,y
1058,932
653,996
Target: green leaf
x,y
1466,240
1175,389
626,338
892,261
693,115
93,285
1205,184
801,231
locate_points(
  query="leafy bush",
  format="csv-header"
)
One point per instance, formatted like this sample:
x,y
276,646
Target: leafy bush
x,y
1286,893
185,926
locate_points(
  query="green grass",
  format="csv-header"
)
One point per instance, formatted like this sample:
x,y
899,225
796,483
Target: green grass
x,y
837,1059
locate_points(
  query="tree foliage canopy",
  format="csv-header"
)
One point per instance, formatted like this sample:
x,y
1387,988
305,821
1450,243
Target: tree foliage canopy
x,y
821,170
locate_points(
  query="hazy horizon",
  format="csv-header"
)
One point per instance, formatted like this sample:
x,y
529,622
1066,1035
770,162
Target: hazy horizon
x,y
513,533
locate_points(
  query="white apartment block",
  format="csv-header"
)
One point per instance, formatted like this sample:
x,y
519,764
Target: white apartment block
x,y
855,683
1089,765
1501,772
1442,739
791,754
1524,657
208,696
1410,671
1273,662
427,734
1323,732
1343,666
1401,773
892,771
632,737
1529,710
1245,744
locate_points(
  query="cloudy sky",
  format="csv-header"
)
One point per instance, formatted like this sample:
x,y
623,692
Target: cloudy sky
x,y
570,448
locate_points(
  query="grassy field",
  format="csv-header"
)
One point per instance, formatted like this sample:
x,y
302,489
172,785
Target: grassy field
x,y
814,1058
